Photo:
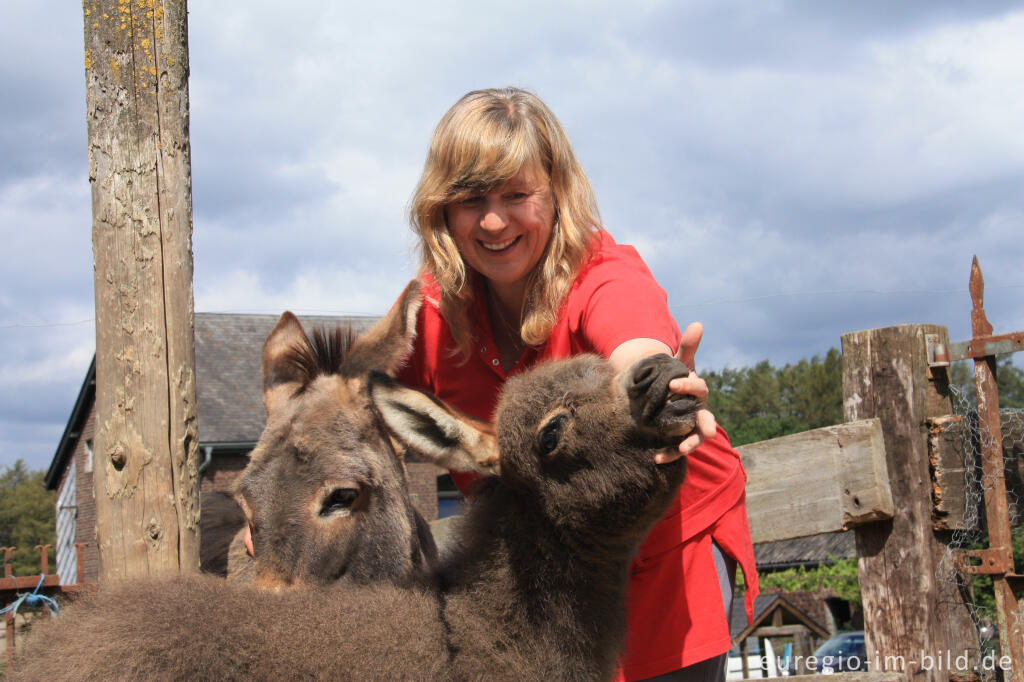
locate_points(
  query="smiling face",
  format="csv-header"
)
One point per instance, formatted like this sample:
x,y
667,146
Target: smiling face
x,y
502,233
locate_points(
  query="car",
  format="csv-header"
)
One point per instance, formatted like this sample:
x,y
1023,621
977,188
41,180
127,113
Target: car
x,y
845,652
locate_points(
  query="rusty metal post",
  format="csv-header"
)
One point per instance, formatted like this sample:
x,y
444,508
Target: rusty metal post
x,y
44,558
996,561
8,569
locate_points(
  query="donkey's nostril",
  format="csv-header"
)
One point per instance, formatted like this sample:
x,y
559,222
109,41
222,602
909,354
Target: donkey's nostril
x,y
643,374
648,389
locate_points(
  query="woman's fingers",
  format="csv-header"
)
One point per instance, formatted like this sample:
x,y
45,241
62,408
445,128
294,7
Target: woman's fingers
x,y
706,428
689,343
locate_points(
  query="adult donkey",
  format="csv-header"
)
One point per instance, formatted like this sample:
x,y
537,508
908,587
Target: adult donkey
x,y
325,492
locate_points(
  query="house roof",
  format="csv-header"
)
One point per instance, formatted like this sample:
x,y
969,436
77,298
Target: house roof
x,y
802,551
229,392
765,605
229,385
73,429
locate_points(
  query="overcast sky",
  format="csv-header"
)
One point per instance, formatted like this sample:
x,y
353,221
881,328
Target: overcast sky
x,y
791,171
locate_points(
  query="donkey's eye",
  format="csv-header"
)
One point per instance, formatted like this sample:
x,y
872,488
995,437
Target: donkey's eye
x,y
551,434
339,500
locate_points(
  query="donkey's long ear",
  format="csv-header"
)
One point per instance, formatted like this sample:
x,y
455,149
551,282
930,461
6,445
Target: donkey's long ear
x,y
281,374
433,430
386,344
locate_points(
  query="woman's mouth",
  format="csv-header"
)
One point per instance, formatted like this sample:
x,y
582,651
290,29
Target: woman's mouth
x,y
500,246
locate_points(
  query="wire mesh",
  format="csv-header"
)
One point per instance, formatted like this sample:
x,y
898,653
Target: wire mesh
x,y
976,590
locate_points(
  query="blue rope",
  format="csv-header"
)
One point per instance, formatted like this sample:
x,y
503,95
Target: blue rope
x,y
33,600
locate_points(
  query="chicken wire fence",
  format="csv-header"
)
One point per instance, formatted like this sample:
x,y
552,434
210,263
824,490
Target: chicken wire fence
x,y
976,590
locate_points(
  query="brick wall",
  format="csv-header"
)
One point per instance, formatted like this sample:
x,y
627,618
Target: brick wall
x,y
423,487
85,526
221,474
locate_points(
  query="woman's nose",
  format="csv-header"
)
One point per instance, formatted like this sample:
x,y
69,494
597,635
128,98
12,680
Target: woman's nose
x,y
493,218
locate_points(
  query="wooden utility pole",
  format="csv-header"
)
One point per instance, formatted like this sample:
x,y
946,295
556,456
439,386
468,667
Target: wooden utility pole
x,y
913,612
146,444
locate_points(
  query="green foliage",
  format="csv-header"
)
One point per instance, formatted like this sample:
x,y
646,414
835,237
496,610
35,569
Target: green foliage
x,y
1009,379
763,402
838,574
27,516
982,592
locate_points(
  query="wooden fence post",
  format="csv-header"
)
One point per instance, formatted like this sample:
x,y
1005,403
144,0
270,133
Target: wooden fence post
x,y
146,484
909,610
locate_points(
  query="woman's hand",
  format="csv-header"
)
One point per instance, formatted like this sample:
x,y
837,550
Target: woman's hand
x,y
630,351
695,386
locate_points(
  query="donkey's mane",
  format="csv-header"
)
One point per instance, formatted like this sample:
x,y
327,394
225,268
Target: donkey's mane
x,y
324,355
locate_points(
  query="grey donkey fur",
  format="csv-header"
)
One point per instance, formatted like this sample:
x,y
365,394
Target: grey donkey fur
x,y
325,492
534,589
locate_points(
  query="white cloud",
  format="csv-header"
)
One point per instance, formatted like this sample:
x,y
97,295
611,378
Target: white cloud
x,y
319,291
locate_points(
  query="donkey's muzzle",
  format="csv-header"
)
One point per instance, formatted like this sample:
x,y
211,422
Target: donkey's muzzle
x,y
658,412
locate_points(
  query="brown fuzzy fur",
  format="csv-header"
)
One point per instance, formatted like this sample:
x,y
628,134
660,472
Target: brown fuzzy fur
x,y
535,589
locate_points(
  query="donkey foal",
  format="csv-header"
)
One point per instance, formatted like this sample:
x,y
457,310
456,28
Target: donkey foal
x,y
534,588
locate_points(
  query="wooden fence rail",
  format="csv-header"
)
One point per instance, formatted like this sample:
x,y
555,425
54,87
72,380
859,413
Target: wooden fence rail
x,y
822,481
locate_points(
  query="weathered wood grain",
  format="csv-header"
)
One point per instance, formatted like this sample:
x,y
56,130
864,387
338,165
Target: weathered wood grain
x,y
953,444
147,502
821,481
908,608
949,473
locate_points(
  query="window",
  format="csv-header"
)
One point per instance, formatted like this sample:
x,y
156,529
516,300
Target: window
x,y
87,466
449,499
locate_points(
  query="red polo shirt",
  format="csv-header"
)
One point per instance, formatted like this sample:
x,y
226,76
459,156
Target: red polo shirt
x,y
675,614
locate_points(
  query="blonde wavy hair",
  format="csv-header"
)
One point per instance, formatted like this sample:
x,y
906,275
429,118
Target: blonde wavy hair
x,y
486,138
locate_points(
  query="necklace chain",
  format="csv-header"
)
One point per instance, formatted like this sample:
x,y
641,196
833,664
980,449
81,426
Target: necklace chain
x,y
514,335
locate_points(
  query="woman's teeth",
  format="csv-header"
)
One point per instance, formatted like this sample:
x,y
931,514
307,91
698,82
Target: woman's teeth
x,y
498,246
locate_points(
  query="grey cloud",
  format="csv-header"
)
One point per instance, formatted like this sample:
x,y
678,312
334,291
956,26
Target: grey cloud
x,y
766,148
32,442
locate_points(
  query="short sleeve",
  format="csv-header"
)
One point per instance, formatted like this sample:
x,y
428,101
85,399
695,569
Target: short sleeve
x,y
416,371
617,299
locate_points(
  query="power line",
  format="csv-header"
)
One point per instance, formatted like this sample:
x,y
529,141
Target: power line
x,y
838,292
46,324
705,304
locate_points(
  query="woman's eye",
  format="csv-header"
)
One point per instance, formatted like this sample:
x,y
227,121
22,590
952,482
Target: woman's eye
x,y
516,196
470,201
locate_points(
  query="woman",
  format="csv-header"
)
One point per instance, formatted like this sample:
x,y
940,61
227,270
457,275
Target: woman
x,y
516,270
